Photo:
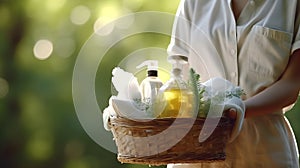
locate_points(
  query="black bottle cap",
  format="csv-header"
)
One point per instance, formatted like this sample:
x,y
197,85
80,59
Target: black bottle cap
x,y
152,73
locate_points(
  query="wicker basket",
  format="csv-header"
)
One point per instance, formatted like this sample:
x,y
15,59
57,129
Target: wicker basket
x,y
169,140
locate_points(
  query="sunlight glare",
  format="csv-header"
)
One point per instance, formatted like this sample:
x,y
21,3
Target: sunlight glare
x,y
80,15
102,26
133,4
43,49
54,5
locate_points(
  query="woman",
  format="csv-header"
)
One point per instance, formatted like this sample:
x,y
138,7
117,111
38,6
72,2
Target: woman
x,y
254,44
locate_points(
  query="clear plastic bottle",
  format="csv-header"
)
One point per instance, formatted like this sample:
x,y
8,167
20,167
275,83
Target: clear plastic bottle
x,y
151,84
176,97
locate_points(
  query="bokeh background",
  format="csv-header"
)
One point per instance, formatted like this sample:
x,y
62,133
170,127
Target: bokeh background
x,y
39,43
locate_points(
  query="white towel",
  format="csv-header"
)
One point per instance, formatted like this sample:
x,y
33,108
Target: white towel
x,y
219,86
239,106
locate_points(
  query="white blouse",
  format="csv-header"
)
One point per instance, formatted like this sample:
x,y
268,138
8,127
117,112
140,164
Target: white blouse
x,y
251,52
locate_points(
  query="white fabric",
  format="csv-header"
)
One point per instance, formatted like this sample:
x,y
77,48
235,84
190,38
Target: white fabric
x,y
219,86
108,112
127,87
252,53
126,84
129,109
239,106
106,116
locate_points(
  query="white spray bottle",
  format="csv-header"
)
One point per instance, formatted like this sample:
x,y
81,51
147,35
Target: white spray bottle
x,y
151,84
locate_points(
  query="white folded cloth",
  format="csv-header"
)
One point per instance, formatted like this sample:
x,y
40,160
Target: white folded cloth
x,y
237,104
127,87
123,108
107,113
221,87
129,109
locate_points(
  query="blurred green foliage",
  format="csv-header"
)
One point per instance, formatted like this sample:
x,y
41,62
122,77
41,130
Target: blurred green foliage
x,y
39,126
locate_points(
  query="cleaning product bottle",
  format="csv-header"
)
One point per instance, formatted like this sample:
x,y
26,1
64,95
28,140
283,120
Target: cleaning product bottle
x,y
151,84
176,96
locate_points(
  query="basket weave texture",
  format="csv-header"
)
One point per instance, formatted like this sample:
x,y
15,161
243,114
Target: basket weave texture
x,y
169,140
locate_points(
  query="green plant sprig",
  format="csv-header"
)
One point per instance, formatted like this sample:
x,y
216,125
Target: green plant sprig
x,y
194,84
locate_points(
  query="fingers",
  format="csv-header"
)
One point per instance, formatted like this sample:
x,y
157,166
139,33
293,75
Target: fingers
x,y
232,113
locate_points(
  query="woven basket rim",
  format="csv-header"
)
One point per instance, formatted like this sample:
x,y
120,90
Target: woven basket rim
x,y
211,150
143,123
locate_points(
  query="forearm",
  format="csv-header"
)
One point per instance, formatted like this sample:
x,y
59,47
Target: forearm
x,y
276,97
282,93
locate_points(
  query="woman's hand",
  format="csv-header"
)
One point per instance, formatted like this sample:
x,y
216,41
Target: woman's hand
x,y
231,113
235,109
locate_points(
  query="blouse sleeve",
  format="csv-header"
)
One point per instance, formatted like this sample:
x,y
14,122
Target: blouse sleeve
x,y
178,47
296,44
